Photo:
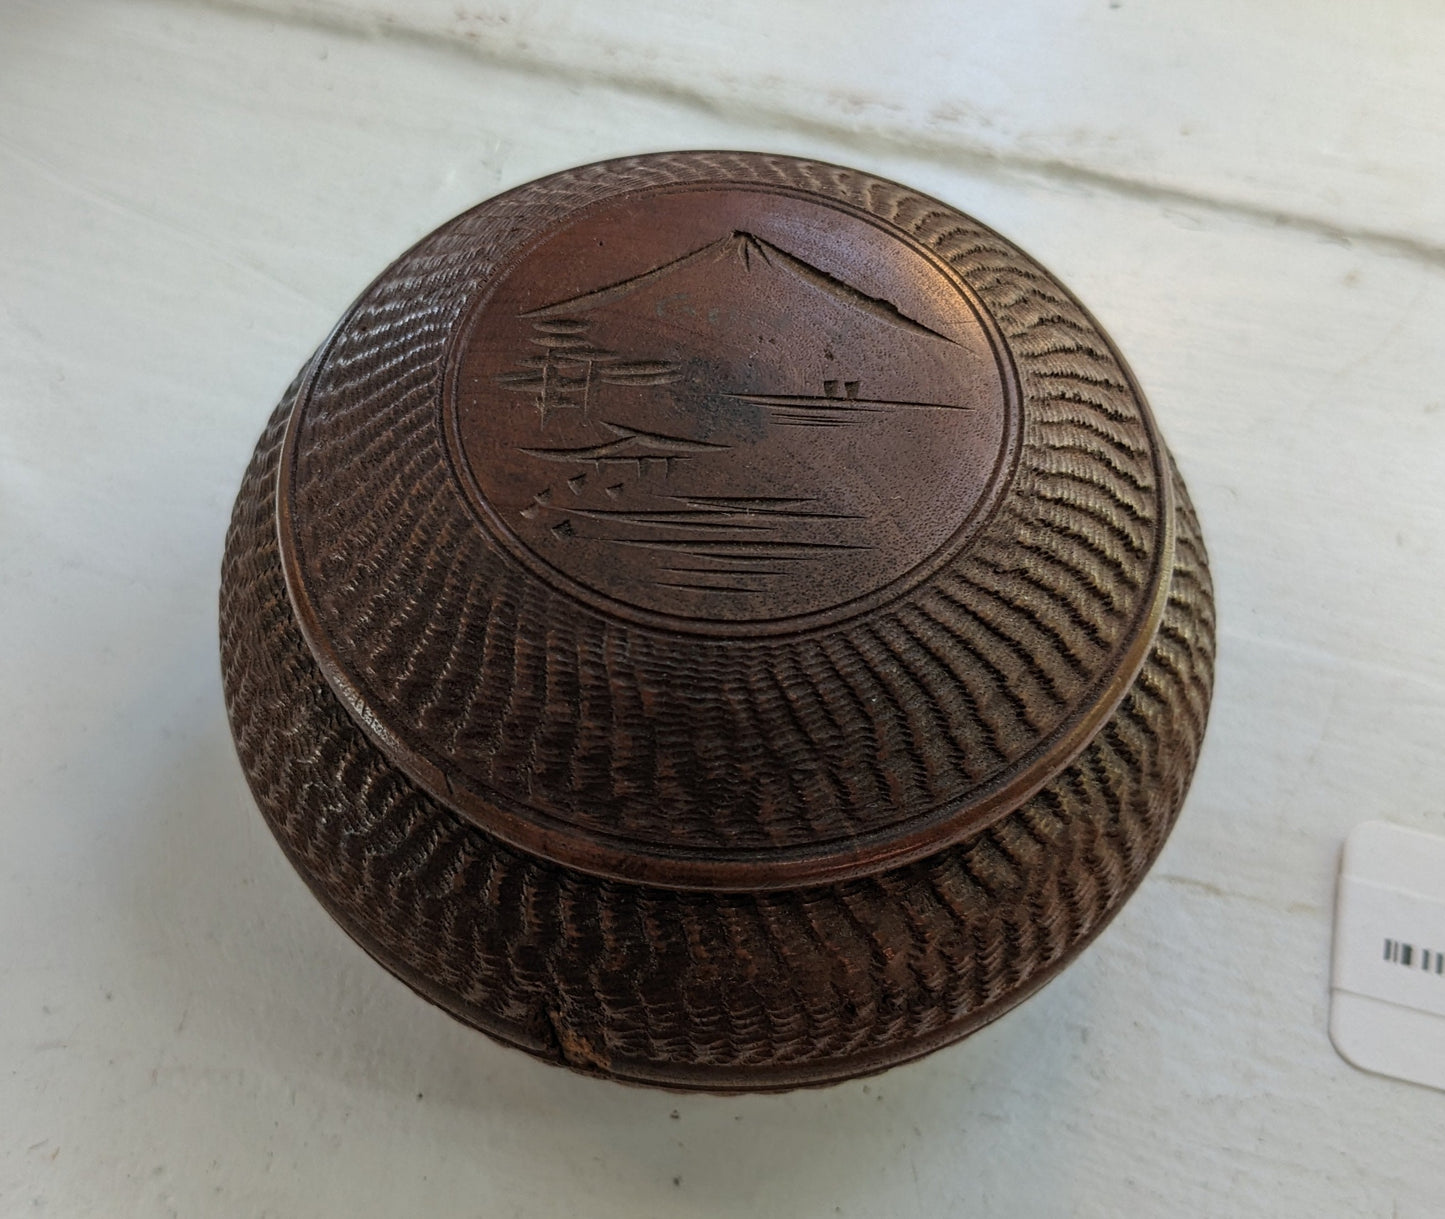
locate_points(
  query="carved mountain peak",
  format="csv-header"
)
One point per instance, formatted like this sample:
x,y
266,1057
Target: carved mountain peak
x,y
756,256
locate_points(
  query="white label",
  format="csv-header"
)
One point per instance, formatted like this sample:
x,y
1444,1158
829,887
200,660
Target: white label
x,y
1390,944
1388,1003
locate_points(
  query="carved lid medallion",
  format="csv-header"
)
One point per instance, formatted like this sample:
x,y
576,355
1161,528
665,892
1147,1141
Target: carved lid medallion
x,y
730,411
724,521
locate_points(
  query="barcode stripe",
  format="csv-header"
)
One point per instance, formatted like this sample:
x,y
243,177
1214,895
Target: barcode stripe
x,y
1398,953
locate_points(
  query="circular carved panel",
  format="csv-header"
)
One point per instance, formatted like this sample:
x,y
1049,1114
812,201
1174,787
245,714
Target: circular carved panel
x,y
729,410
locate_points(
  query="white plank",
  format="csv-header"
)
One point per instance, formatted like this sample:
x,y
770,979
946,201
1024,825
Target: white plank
x,y
1319,112
188,197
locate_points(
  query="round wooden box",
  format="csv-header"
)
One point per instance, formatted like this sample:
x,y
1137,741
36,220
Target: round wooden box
x,y
717,620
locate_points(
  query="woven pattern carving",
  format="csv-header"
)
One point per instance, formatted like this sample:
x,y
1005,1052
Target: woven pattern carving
x,y
710,748
714,991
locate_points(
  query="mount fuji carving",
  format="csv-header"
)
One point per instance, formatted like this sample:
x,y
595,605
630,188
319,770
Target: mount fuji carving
x,y
686,412
563,376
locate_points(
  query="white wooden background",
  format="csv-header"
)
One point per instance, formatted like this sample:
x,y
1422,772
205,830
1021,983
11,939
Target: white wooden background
x,y
1250,194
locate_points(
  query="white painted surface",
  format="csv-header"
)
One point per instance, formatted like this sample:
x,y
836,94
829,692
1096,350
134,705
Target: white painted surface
x,y
190,194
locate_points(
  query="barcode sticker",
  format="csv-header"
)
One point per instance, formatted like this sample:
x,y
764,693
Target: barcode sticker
x,y
1408,954
1389,953
1385,940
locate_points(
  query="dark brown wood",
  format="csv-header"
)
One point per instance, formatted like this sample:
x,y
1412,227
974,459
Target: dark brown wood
x,y
717,620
